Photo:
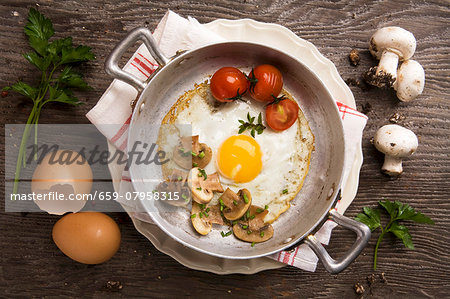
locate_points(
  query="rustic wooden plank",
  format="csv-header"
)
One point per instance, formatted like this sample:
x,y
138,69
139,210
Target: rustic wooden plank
x,y
31,265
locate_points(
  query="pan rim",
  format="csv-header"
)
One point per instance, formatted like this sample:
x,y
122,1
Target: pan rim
x,y
332,199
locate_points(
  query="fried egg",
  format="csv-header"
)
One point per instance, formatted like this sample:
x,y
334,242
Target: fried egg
x,y
271,165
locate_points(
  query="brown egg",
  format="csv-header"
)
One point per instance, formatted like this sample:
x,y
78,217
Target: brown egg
x,y
87,237
62,172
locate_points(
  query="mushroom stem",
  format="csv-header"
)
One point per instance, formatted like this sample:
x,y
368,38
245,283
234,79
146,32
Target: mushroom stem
x,y
388,64
392,166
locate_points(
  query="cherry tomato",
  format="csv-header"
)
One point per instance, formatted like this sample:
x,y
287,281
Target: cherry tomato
x,y
281,114
228,84
266,82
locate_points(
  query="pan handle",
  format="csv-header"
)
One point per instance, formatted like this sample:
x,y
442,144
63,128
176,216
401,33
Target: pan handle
x,y
112,67
362,238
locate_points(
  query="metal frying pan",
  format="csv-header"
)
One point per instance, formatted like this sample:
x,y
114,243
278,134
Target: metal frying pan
x,y
313,204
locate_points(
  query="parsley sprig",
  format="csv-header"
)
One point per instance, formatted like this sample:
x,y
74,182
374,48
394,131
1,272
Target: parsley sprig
x,y
397,212
250,125
54,60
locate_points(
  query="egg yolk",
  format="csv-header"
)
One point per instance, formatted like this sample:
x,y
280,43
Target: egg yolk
x,y
239,158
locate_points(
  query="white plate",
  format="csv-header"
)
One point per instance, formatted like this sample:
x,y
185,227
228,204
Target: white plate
x,y
281,38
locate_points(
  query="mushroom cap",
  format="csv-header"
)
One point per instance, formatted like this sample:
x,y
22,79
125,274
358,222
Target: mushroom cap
x,y
202,189
253,229
201,223
235,206
261,235
394,39
410,80
200,148
205,217
191,153
176,183
396,141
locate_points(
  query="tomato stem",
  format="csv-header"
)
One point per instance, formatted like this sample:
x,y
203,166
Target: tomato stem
x,y
238,96
252,79
277,100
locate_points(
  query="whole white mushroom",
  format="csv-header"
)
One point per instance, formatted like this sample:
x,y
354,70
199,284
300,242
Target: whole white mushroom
x,y
396,142
410,80
390,45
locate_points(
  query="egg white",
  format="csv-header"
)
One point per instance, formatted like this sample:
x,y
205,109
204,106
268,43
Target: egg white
x,y
285,155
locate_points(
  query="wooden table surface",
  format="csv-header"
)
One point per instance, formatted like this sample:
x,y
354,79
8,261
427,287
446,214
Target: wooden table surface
x,y
31,264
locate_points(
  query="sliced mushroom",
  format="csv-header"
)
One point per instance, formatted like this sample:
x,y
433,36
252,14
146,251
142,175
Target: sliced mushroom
x,y
200,222
201,153
203,185
253,229
214,215
176,185
235,205
178,175
202,217
190,153
182,153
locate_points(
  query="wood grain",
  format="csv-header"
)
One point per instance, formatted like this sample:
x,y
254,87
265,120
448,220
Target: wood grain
x,y
32,266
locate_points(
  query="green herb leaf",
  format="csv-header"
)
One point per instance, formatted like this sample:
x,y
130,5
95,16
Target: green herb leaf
x,y
78,54
25,90
62,96
397,212
55,48
363,218
402,233
390,207
421,218
42,63
202,173
254,128
56,83
70,78
245,197
371,218
38,29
